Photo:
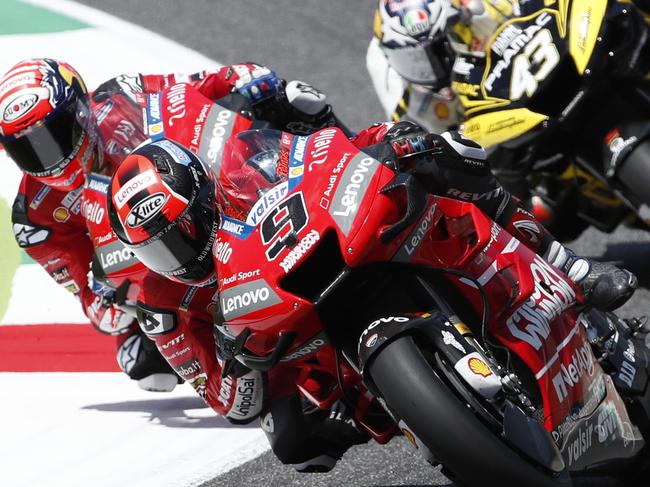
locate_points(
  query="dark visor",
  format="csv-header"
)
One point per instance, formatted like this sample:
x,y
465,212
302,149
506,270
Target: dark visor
x,y
440,56
427,63
183,249
49,146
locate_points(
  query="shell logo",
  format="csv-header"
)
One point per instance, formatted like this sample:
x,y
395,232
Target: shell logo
x,y
442,111
479,367
155,128
61,214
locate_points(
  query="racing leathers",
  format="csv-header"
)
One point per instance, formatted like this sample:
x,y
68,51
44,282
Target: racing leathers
x,y
52,225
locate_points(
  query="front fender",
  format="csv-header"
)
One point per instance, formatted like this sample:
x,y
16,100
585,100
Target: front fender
x,y
435,326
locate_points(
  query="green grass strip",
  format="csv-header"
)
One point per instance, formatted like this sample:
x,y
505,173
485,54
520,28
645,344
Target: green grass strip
x,y
9,256
22,18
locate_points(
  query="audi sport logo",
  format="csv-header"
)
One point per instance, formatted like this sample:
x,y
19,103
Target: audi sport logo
x,y
146,209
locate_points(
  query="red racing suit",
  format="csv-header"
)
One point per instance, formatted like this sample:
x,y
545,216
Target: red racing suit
x,y
52,227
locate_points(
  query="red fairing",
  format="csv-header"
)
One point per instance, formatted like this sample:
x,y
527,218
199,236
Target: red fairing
x,y
329,190
531,302
251,294
371,135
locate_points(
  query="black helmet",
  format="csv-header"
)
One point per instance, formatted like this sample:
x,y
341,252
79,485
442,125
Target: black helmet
x,y
162,206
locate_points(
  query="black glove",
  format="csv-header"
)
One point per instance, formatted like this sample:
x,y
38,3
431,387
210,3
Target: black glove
x,y
298,108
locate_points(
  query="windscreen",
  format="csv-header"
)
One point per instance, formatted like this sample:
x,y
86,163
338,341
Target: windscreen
x,y
253,173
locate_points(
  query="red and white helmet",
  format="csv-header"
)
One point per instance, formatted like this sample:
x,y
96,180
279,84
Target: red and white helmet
x,y
46,124
412,34
162,207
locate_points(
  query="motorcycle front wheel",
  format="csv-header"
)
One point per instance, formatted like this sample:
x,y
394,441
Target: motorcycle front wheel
x,y
473,454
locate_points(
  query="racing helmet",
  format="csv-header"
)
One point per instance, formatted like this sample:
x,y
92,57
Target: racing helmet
x,y
412,35
46,124
162,207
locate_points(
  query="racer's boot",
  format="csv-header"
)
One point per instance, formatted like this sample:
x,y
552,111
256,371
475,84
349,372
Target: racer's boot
x,y
337,430
604,286
308,438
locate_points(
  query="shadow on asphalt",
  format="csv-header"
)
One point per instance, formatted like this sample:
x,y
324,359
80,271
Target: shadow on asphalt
x,y
178,412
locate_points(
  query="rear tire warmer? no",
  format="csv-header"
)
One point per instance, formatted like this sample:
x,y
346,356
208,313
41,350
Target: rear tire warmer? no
x,y
459,440
634,172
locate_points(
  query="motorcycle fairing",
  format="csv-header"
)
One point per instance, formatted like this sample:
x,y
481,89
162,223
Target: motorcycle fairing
x,y
532,311
513,276
584,25
490,129
329,198
522,57
586,439
578,398
205,126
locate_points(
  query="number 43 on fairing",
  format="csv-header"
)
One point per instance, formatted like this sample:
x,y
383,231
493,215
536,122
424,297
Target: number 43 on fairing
x,y
541,56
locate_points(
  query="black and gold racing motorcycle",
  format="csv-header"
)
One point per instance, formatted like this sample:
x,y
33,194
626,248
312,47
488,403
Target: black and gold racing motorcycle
x,y
561,99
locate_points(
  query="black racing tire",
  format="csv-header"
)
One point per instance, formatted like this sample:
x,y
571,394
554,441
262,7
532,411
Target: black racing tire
x,y
457,438
634,173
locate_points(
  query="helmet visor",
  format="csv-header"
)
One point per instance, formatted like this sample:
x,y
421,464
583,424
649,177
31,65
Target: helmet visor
x,y
183,249
48,147
427,63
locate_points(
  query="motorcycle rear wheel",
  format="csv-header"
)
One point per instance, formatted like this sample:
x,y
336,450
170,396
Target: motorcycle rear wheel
x,y
458,439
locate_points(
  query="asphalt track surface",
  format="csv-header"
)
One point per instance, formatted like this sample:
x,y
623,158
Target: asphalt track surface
x,y
324,43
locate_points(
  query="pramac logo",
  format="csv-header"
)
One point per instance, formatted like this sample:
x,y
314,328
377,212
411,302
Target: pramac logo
x,y
146,209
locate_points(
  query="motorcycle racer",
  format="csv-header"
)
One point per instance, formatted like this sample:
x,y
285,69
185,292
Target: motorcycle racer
x,y
186,206
416,46
409,63
58,134
415,42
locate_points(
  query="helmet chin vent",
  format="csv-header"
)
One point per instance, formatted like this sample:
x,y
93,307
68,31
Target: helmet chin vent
x,y
161,164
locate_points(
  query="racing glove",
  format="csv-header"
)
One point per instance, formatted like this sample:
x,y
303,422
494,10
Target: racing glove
x,y
408,138
259,84
298,108
309,108
104,314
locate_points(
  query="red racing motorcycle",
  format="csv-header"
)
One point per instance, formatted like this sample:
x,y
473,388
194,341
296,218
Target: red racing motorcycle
x,y
424,316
